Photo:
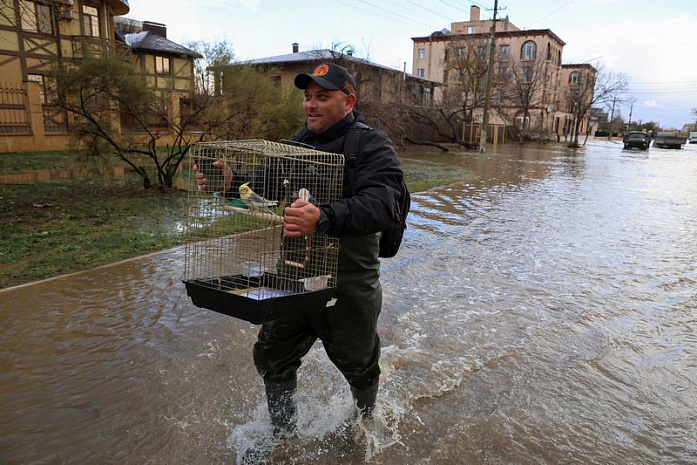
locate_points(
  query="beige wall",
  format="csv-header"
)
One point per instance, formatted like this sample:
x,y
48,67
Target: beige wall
x,y
24,53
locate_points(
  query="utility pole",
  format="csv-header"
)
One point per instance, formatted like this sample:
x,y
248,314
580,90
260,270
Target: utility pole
x,y
489,78
612,119
629,125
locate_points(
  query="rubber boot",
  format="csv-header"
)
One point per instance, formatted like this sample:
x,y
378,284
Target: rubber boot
x,y
365,400
280,399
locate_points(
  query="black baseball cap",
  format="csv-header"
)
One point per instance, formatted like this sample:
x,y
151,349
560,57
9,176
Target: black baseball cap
x,y
328,76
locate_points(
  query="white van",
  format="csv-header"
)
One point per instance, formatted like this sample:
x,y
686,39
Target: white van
x,y
693,138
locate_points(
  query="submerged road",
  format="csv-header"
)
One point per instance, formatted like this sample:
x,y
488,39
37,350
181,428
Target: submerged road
x,y
544,313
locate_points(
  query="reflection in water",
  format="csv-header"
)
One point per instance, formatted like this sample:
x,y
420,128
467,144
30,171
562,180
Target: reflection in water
x,y
544,313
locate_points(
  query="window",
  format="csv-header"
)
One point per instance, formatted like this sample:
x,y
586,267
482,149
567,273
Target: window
x,y
461,52
529,51
162,65
90,21
36,17
504,51
500,97
427,96
445,76
527,73
421,72
575,78
481,52
470,29
47,87
422,53
549,52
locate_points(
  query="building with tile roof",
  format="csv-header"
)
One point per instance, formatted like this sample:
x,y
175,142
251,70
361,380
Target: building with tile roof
x,y
36,36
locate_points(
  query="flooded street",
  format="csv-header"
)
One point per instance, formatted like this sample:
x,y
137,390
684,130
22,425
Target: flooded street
x,y
545,313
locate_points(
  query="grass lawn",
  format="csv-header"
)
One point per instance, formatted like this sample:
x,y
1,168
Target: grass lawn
x,y
53,228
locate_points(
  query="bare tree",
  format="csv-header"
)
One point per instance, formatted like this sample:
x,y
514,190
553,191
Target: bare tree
x,y
465,72
523,86
592,88
114,112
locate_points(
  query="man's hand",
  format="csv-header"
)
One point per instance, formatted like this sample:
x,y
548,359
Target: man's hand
x,y
226,171
300,219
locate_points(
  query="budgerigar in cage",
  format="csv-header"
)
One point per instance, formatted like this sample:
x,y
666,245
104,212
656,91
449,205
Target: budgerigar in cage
x,y
255,201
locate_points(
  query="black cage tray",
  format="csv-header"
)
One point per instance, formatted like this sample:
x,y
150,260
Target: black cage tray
x,y
241,297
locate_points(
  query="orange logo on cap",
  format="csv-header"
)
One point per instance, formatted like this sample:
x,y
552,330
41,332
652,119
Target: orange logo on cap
x,y
321,70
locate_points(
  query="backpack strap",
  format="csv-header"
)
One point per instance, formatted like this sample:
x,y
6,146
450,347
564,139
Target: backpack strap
x,y
351,143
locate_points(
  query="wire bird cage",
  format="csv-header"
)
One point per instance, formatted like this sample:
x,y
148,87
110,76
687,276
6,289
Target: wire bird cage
x,y
237,260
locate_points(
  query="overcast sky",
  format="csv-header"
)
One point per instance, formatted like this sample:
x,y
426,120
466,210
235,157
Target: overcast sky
x,y
653,42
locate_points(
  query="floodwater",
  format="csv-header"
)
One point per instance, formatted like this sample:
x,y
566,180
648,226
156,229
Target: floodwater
x,y
545,313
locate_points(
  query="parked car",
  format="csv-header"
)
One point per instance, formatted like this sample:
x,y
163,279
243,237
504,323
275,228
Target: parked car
x,y
693,138
636,139
669,140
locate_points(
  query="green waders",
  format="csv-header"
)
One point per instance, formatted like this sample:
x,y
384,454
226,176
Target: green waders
x,y
348,331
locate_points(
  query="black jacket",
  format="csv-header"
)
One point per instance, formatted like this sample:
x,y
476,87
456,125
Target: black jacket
x,y
377,179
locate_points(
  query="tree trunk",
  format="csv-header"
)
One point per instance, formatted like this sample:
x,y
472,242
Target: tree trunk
x,y
430,144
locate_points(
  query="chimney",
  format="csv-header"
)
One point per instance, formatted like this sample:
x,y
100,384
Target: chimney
x,y
295,47
156,28
474,13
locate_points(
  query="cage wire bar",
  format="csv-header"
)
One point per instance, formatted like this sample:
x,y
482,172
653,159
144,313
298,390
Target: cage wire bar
x,y
237,260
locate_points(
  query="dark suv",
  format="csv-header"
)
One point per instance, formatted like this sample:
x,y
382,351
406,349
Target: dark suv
x,y
636,139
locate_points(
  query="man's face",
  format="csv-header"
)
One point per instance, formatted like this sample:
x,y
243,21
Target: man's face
x,y
324,108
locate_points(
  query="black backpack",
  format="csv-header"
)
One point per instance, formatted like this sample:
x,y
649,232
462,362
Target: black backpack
x,y
391,237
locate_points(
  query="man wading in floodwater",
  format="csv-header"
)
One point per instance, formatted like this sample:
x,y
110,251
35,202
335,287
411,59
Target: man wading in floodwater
x,y
348,330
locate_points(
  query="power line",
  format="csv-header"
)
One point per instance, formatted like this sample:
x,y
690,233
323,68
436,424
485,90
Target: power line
x,y
554,11
393,13
382,16
457,7
428,9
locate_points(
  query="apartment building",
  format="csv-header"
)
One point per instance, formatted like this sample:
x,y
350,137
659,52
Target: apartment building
x,y
38,35
530,86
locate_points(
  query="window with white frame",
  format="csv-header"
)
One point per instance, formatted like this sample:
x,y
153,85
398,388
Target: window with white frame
x,y
504,52
90,21
421,72
470,29
529,51
422,53
575,78
35,17
162,65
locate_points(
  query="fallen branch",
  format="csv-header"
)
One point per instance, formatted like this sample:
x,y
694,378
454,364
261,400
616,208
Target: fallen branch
x,y
430,144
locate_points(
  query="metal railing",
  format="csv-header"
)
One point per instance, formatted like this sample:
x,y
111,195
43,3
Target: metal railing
x,y
14,105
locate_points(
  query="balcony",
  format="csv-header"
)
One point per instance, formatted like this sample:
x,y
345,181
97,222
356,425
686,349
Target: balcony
x,y
87,46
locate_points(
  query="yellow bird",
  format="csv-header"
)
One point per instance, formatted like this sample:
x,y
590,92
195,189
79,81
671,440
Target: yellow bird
x,y
255,201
